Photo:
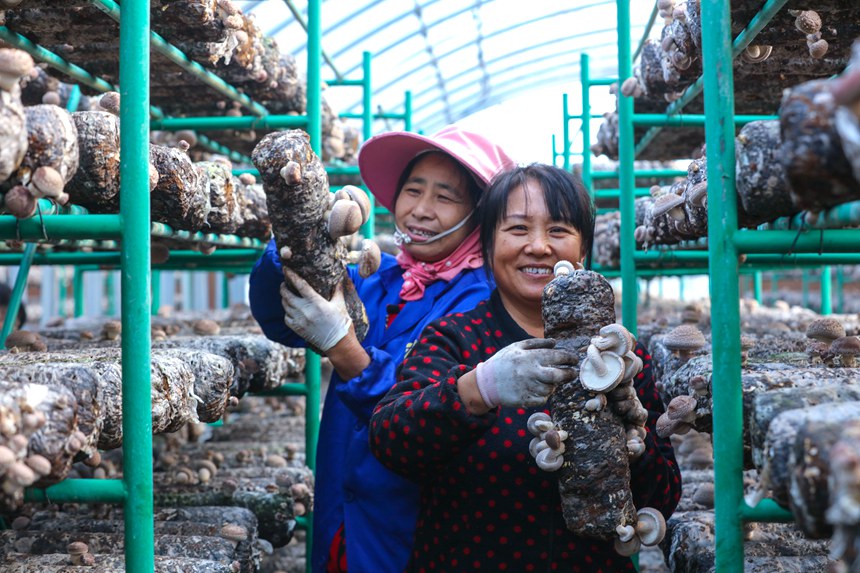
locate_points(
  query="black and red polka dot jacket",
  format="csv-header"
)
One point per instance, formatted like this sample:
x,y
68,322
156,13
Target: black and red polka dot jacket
x,y
485,505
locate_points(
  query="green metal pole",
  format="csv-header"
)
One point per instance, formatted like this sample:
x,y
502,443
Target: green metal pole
x,y
774,283
134,212
585,81
626,178
62,291
565,130
757,287
78,288
840,290
312,359
225,290
156,293
17,291
407,111
725,318
826,289
369,227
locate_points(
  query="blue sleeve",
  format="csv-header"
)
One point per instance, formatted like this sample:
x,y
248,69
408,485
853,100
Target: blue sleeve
x,y
264,295
362,393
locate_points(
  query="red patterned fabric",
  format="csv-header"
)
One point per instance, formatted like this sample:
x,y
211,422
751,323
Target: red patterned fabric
x,y
337,553
485,504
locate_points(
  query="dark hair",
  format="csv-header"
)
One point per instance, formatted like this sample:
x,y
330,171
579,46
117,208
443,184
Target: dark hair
x,y
5,298
565,195
472,186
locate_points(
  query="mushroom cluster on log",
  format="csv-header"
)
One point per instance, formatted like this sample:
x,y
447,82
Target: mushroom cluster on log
x,y
216,35
307,220
589,443
797,45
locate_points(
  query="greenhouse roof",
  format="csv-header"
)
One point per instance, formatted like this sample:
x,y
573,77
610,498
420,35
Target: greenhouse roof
x,y
456,57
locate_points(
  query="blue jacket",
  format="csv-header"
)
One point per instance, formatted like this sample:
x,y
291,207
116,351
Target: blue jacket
x,y
379,508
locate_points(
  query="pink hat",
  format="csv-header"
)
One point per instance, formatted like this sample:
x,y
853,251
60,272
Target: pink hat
x,y
383,158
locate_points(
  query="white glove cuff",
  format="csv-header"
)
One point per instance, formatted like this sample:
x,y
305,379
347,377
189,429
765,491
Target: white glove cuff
x,y
334,335
487,384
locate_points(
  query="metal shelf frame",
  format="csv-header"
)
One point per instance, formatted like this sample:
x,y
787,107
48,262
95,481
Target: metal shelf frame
x,y
766,248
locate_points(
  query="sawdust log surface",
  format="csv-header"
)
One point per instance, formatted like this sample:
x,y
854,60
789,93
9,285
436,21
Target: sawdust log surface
x,y
299,220
594,480
13,133
95,184
181,197
784,431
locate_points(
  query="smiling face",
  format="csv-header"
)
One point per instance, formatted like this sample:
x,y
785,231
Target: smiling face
x,y
528,243
434,198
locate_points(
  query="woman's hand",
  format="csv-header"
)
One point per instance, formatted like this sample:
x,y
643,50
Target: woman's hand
x,y
322,323
524,373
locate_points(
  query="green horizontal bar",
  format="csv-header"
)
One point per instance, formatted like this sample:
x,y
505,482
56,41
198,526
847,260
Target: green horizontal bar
x,y
213,145
48,207
348,170
810,241
227,122
43,55
288,389
844,215
773,259
602,82
642,174
388,115
113,258
302,522
77,227
79,491
690,120
179,58
766,510
616,193
570,116
669,256
342,82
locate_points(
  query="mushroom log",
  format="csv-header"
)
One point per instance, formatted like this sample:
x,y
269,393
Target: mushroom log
x,y
596,442
307,220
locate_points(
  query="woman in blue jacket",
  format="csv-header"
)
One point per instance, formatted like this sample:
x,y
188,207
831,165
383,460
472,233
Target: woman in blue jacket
x,y
364,515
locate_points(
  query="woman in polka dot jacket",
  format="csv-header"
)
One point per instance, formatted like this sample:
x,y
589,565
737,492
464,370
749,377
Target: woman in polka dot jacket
x,y
485,505
364,515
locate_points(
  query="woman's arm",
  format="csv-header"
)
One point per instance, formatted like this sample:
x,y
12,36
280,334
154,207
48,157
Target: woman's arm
x,y
423,422
264,294
655,477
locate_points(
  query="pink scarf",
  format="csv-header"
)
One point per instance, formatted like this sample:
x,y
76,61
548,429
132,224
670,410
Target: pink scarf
x,y
419,274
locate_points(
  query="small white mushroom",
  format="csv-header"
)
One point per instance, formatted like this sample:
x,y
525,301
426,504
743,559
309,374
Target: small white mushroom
x,y
358,195
291,173
600,371
39,464
46,182
110,102
549,460
536,446
562,268
19,202
538,423
650,527
756,53
632,365
285,253
344,218
627,548
369,258
14,64
596,404
614,338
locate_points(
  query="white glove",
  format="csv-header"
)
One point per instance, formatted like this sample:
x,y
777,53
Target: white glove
x,y
322,323
524,373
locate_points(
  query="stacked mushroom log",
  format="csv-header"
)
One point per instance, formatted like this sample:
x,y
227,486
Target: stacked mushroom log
x,y
588,443
796,46
59,408
216,35
798,163
800,398
310,223
220,504
76,157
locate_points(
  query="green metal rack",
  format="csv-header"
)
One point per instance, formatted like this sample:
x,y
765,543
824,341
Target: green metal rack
x,y
769,248
133,226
